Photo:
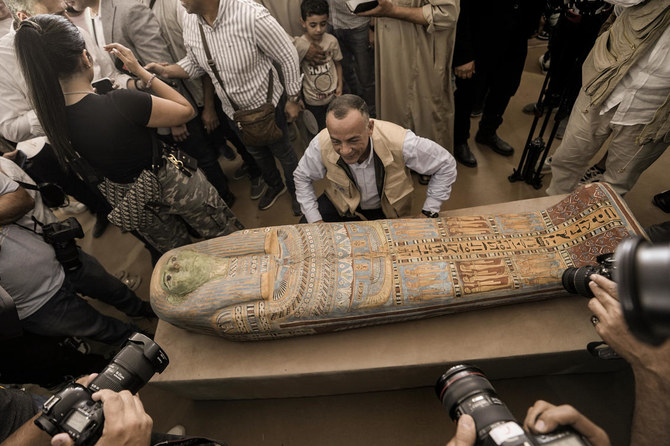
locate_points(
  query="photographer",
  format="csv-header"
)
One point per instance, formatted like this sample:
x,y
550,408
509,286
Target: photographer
x,y
541,418
126,422
89,278
45,300
651,365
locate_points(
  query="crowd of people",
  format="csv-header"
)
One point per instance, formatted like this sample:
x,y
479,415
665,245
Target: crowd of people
x,y
130,105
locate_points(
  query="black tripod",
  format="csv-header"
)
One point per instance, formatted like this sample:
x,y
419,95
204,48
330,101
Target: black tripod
x,y
530,170
576,34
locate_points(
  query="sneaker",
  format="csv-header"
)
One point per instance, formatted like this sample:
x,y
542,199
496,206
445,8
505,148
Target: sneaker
x,y
544,64
296,207
241,172
476,113
258,188
543,35
270,196
592,175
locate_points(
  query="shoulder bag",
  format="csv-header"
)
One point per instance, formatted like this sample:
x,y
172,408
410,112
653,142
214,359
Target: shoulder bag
x,y
257,126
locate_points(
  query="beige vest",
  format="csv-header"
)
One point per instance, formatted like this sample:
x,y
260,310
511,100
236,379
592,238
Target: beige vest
x,y
633,34
397,187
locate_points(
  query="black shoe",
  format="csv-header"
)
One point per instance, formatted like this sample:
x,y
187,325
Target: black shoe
x,y
495,143
662,200
296,207
229,198
270,196
424,179
476,113
464,156
101,223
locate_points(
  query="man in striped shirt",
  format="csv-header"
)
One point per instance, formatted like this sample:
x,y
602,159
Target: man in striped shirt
x,y
244,40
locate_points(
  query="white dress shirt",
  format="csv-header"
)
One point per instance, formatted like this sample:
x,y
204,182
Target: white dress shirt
x,y
644,88
244,40
18,121
421,155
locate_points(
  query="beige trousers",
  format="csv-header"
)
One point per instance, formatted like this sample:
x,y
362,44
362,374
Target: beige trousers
x,y
585,135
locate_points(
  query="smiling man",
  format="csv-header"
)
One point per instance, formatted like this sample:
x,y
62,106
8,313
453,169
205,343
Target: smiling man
x,y
367,164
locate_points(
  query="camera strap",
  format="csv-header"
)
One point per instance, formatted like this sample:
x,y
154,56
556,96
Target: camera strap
x,y
52,194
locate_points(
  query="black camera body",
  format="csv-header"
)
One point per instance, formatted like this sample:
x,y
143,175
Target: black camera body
x,y
61,236
464,389
576,280
71,410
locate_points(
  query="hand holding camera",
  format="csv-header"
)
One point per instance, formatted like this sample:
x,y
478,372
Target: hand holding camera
x,y
465,391
126,422
106,412
543,417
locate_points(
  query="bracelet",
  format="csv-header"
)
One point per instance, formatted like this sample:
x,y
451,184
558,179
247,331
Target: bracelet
x,y
148,84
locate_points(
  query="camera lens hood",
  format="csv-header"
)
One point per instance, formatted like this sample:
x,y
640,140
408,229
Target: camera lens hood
x,y
642,276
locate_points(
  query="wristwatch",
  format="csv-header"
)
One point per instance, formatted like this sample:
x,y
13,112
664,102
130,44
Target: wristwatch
x,y
430,214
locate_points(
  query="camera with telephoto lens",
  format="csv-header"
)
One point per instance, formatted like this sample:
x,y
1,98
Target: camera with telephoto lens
x,y
576,280
61,236
463,389
71,410
642,275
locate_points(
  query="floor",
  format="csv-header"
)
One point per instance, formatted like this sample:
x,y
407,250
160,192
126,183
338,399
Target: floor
x,y
411,416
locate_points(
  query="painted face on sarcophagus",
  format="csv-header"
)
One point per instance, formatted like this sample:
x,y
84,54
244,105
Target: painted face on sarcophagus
x,y
303,279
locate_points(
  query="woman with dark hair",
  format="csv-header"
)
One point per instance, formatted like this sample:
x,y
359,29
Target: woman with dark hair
x,y
151,189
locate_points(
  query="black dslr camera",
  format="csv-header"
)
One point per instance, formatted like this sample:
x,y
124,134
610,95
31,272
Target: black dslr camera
x,y
463,389
72,410
576,280
61,236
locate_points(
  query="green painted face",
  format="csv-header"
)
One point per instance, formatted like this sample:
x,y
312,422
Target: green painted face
x,y
186,271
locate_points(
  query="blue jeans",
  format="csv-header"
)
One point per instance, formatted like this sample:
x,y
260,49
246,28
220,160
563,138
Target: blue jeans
x,y
67,314
358,63
282,150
